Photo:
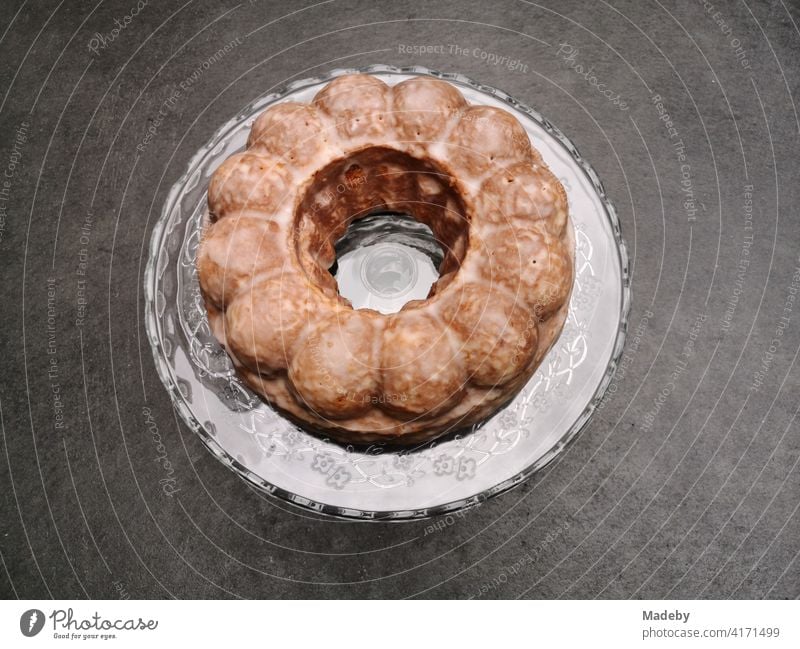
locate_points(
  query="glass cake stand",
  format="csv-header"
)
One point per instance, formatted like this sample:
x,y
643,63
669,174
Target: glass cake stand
x,y
381,482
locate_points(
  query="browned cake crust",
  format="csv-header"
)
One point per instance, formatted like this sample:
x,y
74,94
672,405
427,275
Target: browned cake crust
x,y
469,173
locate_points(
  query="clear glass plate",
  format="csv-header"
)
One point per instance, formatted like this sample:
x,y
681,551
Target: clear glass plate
x,y
386,482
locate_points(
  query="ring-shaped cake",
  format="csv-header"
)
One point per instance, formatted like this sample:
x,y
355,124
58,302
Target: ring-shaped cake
x,y
362,147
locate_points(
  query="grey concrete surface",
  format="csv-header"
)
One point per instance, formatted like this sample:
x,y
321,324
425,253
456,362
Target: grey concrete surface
x,y
685,484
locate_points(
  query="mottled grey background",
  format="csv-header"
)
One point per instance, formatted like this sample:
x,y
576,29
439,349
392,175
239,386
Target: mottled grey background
x,y
695,495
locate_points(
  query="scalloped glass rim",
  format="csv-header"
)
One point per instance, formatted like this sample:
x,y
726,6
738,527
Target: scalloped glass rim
x,y
154,332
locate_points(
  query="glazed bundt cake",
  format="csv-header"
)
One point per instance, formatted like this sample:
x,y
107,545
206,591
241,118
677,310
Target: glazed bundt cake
x,y
362,147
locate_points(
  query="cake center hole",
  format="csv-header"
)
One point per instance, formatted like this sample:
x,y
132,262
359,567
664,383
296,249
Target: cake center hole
x,y
380,226
385,260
